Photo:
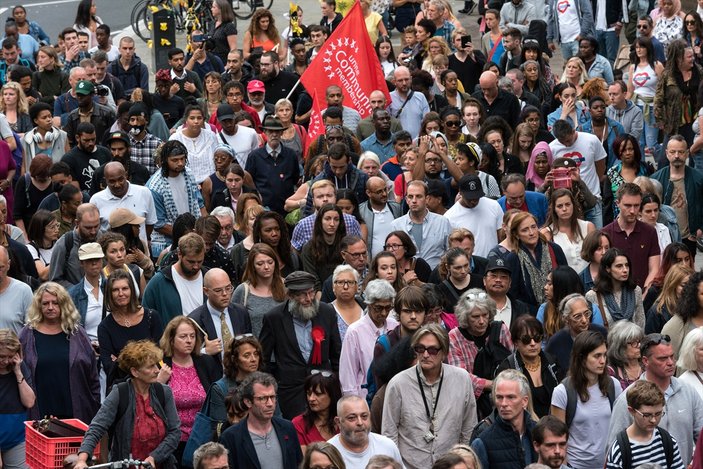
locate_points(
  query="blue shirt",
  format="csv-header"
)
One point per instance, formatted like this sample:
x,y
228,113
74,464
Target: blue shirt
x,y
385,151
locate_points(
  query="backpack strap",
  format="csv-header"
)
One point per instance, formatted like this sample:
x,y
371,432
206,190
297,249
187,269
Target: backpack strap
x,y
571,401
668,444
602,311
451,290
611,393
68,244
625,450
27,185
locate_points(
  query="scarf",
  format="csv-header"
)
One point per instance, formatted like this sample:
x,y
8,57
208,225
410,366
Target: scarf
x,y
626,308
536,270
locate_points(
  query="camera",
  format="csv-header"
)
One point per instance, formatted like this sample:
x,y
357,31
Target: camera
x,y
102,90
562,179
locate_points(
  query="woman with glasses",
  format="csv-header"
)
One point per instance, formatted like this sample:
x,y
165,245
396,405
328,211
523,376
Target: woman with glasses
x,y
594,388
528,358
479,344
345,285
262,285
126,320
43,231
317,423
456,277
624,360
413,269
665,305
615,292
576,315
186,371
322,455
691,360
688,314
242,357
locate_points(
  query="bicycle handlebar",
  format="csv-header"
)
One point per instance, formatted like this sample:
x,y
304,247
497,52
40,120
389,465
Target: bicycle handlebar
x,y
123,464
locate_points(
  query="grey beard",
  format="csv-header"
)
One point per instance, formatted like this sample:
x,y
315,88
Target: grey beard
x,y
303,313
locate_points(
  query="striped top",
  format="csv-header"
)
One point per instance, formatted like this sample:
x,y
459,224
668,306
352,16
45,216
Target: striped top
x,y
651,451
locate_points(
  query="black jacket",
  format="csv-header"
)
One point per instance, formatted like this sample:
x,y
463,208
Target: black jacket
x,y
613,12
239,317
206,367
503,446
102,118
242,454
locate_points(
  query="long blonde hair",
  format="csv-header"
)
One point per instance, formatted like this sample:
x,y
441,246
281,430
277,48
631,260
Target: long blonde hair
x,y
70,318
22,104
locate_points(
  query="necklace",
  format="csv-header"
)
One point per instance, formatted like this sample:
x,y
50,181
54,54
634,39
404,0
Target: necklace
x,y
534,367
124,321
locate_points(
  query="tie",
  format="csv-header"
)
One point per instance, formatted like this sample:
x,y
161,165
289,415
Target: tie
x,y
226,333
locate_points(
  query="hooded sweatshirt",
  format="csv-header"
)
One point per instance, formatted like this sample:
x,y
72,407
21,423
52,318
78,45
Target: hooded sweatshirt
x,y
630,118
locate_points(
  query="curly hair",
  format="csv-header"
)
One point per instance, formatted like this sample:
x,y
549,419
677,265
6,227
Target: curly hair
x,y
271,32
137,354
470,300
230,358
688,306
70,317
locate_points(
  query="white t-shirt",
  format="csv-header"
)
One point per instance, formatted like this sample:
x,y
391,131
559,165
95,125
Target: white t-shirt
x,y
569,26
94,312
200,152
588,434
378,444
179,193
243,142
601,21
483,221
586,150
190,291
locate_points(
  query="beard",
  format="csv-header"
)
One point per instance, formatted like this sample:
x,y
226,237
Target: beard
x,y
303,313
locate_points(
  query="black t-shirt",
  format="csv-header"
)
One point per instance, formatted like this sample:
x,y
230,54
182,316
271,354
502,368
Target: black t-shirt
x,y
219,39
172,109
83,165
52,375
27,199
10,402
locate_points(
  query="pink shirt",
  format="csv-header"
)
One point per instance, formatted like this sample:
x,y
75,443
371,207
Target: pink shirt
x,y
188,394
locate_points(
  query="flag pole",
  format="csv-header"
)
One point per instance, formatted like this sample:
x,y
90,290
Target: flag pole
x,y
293,89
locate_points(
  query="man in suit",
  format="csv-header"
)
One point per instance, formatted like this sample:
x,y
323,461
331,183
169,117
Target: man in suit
x,y
277,439
220,319
302,333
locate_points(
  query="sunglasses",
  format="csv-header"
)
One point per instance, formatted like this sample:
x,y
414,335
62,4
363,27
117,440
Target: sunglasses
x,y
324,373
642,26
453,123
242,336
652,340
690,22
527,339
421,349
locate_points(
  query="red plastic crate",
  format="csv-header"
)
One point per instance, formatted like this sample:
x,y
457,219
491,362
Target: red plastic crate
x,y
49,453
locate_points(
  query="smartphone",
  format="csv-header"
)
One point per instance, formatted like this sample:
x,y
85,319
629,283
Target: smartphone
x,y
465,41
200,38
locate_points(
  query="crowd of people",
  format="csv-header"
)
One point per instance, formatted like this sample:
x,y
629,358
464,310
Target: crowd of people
x,y
495,268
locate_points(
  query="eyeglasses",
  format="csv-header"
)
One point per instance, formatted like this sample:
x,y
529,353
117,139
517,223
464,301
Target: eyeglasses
x,y
690,22
634,343
452,123
421,349
477,296
381,308
648,416
642,26
355,255
242,336
324,373
580,316
219,291
527,339
345,283
392,247
265,399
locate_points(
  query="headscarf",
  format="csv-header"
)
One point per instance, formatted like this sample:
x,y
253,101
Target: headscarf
x,y
531,174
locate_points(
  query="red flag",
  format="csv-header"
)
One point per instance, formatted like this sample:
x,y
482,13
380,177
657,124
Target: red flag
x,y
316,127
347,59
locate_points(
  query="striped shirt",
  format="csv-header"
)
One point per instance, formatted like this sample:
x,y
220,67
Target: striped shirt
x,y
651,451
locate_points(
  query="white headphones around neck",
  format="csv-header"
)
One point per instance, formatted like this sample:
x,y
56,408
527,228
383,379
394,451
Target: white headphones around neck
x,y
48,138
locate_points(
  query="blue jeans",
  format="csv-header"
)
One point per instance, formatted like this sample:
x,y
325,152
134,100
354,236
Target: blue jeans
x,y
569,49
595,214
608,43
650,132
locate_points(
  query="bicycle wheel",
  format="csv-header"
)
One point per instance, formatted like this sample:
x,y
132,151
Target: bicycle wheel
x,y
138,9
244,9
142,25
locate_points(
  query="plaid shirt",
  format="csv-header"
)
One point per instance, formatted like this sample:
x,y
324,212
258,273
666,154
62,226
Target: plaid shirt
x,y
462,353
143,151
303,230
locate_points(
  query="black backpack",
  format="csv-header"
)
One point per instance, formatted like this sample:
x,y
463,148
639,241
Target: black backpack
x,y
626,451
572,399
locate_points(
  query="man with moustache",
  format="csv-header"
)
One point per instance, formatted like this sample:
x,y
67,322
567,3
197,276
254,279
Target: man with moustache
x,y
279,83
256,92
549,438
378,213
302,334
174,191
497,283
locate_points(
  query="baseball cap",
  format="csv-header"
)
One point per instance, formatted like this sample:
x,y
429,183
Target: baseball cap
x,y
119,135
470,187
85,87
497,263
224,112
255,86
90,251
564,163
123,216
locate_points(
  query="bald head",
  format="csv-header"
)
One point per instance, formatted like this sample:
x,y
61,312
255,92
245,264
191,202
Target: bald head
x,y
4,255
489,84
114,169
377,99
214,276
218,288
377,192
402,79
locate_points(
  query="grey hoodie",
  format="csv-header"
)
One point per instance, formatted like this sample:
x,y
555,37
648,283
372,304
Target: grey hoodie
x,y
631,118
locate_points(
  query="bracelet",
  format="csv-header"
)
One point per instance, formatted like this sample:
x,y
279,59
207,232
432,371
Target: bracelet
x,y
21,381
